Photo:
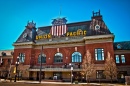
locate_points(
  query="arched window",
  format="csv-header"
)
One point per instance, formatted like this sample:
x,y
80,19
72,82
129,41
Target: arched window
x,y
76,57
58,58
43,58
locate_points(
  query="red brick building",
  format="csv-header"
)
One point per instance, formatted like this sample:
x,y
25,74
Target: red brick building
x,y
65,43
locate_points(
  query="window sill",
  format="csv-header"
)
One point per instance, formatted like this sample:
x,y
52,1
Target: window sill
x,y
58,63
99,60
101,78
40,63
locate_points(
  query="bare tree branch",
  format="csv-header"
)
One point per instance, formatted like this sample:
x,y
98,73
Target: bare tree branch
x,y
88,65
110,67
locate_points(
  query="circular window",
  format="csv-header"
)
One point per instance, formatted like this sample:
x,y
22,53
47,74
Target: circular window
x,y
97,27
118,46
24,35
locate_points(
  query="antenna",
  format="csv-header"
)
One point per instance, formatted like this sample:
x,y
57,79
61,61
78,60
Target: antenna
x,y
60,12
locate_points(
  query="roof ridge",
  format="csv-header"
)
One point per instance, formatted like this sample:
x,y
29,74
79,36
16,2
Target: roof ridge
x,y
121,41
66,24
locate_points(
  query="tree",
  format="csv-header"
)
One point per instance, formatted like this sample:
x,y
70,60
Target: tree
x,y
88,65
110,67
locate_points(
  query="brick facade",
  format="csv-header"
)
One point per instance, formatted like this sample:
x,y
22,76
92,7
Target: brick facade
x,y
83,36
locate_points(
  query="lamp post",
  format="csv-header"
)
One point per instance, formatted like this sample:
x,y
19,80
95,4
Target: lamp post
x,y
16,64
71,72
40,66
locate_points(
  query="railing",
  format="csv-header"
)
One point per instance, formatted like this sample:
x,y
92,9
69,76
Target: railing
x,y
55,68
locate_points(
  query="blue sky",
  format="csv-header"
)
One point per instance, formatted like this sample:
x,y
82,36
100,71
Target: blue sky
x,y
14,15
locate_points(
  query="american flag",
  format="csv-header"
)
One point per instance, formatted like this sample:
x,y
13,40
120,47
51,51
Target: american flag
x,y
58,30
59,27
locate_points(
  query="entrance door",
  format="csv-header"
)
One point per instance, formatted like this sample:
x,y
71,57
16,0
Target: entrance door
x,y
31,75
57,75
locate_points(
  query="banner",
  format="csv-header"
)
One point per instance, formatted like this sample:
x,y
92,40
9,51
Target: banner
x,y
14,70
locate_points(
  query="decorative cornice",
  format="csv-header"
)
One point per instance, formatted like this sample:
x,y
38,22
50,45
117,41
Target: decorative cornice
x,y
99,37
59,43
5,57
23,43
70,41
121,51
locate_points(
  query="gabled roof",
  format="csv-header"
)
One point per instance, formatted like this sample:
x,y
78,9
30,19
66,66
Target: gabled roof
x,y
125,45
95,26
85,25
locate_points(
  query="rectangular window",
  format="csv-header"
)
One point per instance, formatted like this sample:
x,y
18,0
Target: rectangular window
x,y
99,54
21,57
123,58
100,74
121,74
117,59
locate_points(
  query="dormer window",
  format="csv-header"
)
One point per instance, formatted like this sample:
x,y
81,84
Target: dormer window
x,y
12,53
3,54
118,46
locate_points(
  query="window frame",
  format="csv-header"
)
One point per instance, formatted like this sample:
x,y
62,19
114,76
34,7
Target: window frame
x,y
43,58
99,76
123,60
22,57
58,58
101,52
76,57
116,59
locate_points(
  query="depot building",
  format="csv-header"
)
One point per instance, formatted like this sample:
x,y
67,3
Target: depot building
x,y
63,43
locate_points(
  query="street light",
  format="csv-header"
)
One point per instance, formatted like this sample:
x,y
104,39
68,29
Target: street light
x,y
16,63
40,78
71,72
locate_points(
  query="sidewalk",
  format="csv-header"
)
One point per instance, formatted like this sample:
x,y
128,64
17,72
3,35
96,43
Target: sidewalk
x,y
43,82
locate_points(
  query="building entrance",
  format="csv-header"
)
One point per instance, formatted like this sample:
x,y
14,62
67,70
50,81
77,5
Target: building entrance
x,y
57,75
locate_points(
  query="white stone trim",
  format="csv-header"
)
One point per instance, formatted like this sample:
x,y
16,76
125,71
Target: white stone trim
x,y
122,51
98,36
60,45
23,43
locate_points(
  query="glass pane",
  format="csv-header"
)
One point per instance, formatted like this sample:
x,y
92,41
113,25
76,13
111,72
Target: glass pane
x,y
43,59
117,59
123,58
99,54
58,57
21,57
76,57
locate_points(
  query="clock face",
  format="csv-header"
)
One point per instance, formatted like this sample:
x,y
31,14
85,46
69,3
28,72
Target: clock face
x,y
97,27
